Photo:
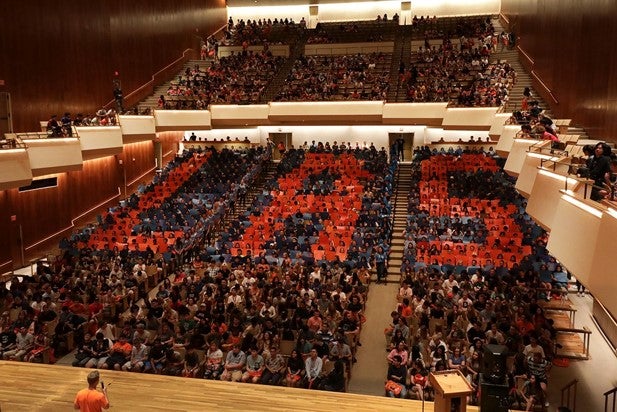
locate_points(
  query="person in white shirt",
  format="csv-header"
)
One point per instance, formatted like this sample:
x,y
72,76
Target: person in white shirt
x,y
449,284
234,298
464,302
313,366
315,274
108,331
533,347
494,333
342,296
268,311
139,266
405,292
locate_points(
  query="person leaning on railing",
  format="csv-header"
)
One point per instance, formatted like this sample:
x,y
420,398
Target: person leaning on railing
x,y
599,168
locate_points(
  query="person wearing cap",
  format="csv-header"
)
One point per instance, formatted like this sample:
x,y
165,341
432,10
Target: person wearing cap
x,y
90,399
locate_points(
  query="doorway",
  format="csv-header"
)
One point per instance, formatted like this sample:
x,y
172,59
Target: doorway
x,y
281,141
407,142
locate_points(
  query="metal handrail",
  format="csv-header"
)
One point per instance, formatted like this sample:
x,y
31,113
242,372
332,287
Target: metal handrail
x,y
567,392
606,395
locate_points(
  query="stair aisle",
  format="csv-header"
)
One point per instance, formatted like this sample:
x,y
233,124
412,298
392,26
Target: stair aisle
x,y
397,55
267,174
152,100
371,369
524,79
296,50
402,188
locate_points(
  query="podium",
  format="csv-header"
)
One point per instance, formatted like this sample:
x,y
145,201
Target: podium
x,y
451,390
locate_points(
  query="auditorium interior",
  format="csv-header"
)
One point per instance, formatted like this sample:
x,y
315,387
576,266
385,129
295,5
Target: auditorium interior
x,y
394,144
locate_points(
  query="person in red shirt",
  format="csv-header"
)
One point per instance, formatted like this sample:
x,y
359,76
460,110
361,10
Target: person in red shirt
x,y
90,399
95,308
524,325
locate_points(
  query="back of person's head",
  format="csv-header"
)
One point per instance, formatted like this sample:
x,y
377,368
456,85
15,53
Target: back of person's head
x,y
93,377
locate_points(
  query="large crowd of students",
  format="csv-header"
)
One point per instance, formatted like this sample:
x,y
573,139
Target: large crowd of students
x,y
283,293
475,272
466,77
357,77
235,79
276,296
261,31
104,268
461,71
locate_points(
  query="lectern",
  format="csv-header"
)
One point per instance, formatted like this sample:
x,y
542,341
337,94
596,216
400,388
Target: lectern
x,y
451,390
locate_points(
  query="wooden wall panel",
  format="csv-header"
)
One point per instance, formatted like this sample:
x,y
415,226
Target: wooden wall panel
x,y
102,174
6,257
57,211
170,142
42,212
138,160
60,56
50,212
572,43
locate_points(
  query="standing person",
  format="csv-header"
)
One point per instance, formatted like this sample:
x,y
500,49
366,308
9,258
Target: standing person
x,y
67,124
119,98
505,40
380,263
580,289
91,400
270,145
400,145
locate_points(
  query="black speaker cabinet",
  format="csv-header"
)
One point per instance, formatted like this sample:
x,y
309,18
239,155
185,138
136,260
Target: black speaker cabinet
x,y
494,363
494,397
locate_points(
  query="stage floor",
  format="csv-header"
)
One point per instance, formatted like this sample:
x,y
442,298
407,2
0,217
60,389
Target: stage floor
x,y
35,387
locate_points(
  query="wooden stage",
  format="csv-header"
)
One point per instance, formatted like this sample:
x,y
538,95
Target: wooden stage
x,y
36,387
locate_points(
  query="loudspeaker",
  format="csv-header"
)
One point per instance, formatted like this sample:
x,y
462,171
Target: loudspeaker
x,y
494,363
494,397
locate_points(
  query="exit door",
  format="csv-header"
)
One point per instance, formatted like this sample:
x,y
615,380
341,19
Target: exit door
x,y
282,142
404,140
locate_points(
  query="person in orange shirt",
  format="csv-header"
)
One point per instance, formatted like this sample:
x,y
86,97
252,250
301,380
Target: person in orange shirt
x,y
314,322
406,309
120,354
91,400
